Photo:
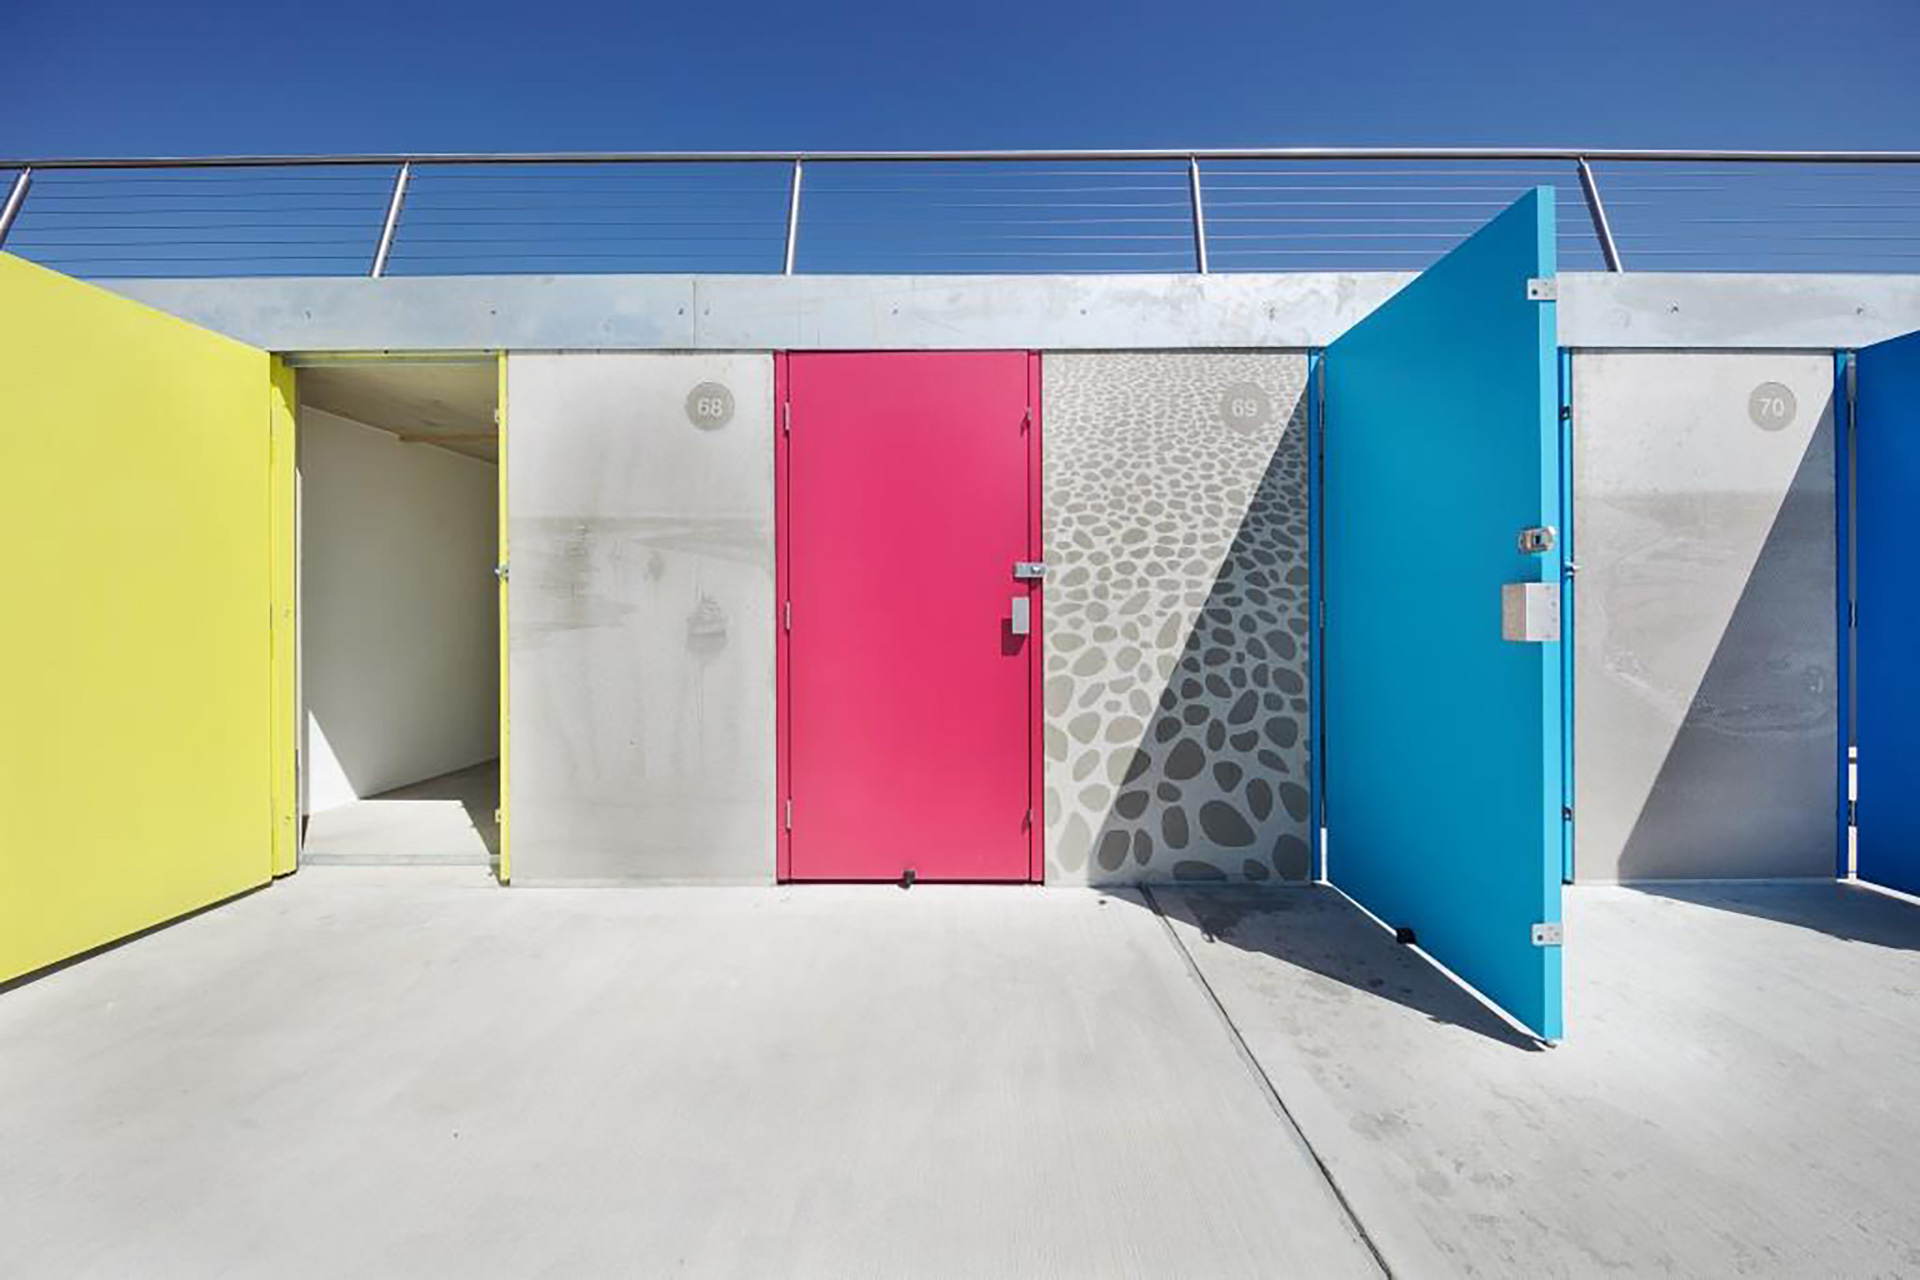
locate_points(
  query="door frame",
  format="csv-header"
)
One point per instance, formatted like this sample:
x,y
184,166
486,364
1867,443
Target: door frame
x,y
1036,729
1845,391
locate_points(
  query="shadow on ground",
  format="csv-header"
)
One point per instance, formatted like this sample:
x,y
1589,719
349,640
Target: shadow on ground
x,y
1313,930
449,820
1849,911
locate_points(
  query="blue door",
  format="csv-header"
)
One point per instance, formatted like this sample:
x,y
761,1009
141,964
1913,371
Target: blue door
x,y
1442,568
1887,636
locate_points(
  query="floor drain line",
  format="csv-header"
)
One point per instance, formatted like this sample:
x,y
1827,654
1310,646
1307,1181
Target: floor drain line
x,y
1278,1103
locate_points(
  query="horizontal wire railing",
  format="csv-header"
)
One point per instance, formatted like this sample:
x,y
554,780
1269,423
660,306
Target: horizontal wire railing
x,y
1342,209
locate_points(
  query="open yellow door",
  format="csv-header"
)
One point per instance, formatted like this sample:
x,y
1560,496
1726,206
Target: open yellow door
x,y
146,677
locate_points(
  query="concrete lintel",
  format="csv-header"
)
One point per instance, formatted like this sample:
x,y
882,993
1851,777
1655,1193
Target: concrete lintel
x,y
1056,313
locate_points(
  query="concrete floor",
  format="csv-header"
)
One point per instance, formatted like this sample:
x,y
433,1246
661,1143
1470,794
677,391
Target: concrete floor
x,y
448,820
1738,1092
408,1071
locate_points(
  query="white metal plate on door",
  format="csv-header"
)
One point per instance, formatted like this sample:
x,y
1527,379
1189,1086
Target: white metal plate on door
x,y
1530,611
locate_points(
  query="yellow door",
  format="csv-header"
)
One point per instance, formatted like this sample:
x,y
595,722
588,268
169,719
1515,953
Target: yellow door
x,y
146,682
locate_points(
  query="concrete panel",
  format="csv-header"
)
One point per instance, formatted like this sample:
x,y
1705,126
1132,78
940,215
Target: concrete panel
x,y
1642,309
641,641
1176,616
1705,675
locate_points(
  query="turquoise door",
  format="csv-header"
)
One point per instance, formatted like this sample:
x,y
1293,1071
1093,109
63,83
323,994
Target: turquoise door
x,y
1442,567
1887,731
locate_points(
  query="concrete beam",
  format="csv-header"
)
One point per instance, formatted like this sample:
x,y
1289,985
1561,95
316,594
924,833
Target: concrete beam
x,y
1054,313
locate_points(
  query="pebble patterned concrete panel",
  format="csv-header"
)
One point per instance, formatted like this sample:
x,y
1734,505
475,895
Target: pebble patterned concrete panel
x,y
1176,616
641,643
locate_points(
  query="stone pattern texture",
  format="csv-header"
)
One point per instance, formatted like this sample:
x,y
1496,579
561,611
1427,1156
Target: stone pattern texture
x,y
1176,617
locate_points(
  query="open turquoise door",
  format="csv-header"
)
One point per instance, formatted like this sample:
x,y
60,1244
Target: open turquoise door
x,y
1442,571
1887,636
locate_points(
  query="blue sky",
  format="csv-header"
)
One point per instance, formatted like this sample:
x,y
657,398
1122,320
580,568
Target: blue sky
x,y
202,76
199,77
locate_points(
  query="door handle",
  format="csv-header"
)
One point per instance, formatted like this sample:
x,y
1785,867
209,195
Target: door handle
x,y
1022,619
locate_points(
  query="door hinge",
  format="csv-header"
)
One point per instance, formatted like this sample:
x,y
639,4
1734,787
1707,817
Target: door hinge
x,y
788,820
1549,935
786,417
1026,419
1566,813
1853,613
500,571
1543,289
786,616
1853,813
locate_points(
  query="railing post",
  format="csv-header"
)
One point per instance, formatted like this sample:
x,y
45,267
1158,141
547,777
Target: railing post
x,y
793,220
1199,214
15,198
393,220
1598,212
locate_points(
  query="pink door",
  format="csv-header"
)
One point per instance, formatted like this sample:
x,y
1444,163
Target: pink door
x,y
910,650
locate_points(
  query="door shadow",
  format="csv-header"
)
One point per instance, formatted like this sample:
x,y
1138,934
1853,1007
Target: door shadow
x,y
1310,931
1840,909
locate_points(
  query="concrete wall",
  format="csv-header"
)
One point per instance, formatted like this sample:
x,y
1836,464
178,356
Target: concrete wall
x,y
1176,706
1706,702
1176,616
641,640
398,610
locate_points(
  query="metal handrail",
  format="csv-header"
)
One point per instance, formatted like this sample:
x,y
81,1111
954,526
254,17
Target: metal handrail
x,y
1608,155
404,165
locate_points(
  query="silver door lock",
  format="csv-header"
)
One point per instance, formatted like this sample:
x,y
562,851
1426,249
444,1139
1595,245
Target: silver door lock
x,y
1029,570
1537,541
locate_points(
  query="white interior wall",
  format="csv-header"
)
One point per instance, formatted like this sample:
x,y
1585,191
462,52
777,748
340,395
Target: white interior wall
x,y
399,611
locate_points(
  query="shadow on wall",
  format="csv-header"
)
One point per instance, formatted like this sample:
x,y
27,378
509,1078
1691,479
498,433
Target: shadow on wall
x,y
1311,934
1176,688
1731,795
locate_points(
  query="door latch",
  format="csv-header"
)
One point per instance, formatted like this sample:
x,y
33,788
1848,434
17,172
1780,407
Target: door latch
x,y
1537,540
1029,570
